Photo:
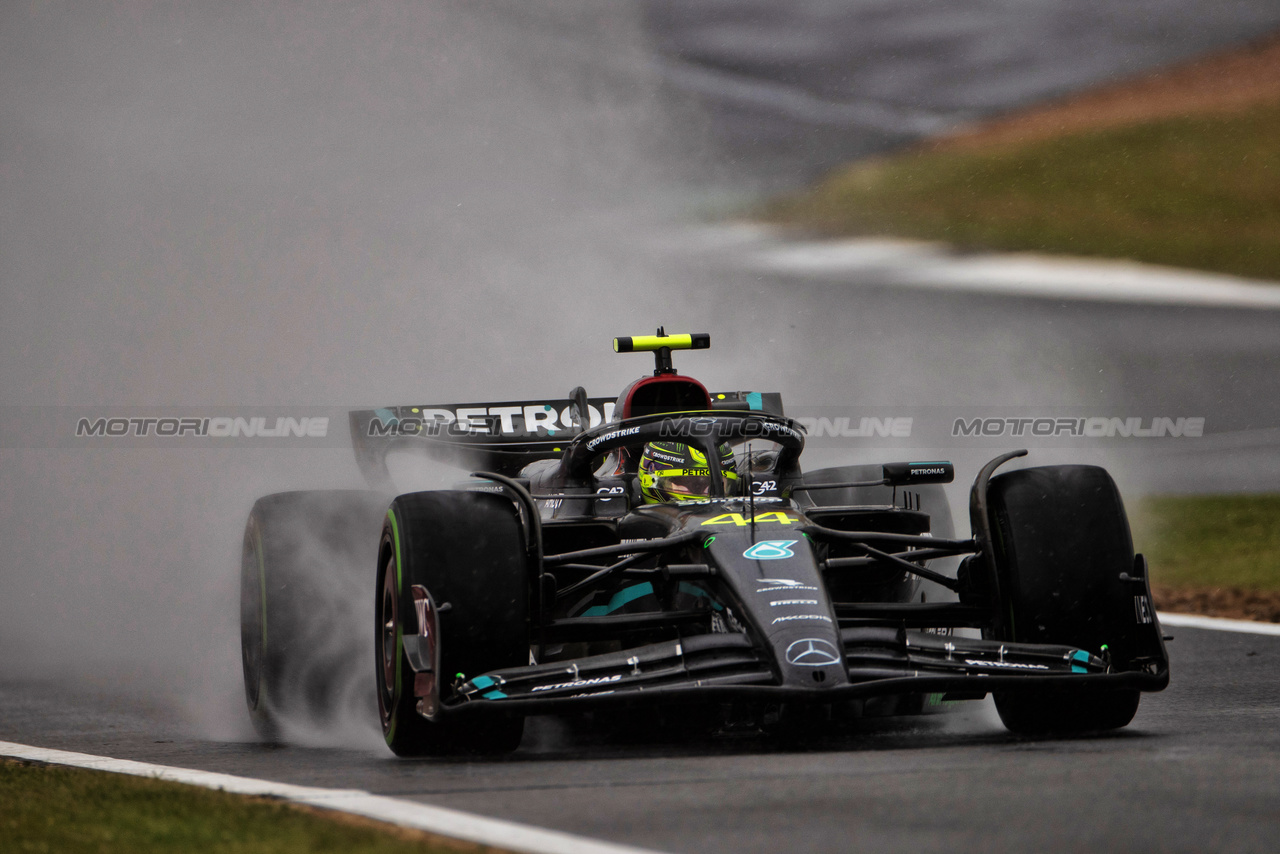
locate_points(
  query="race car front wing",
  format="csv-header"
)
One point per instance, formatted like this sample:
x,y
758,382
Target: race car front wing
x,y
728,666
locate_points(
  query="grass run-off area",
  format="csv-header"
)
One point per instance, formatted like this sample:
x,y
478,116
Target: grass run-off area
x,y
1200,192
57,809
1198,541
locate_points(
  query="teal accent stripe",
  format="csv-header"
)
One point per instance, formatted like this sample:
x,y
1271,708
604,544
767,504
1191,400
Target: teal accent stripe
x,y
755,400
694,590
482,681
622,597
1080,655
495,695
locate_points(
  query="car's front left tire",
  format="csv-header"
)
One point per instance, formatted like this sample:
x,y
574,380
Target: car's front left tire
x,y
466,552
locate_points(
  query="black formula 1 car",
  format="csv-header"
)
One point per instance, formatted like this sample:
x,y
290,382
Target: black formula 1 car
x,y
548,583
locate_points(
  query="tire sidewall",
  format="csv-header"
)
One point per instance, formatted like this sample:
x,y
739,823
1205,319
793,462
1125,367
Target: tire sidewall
x,y
1062,542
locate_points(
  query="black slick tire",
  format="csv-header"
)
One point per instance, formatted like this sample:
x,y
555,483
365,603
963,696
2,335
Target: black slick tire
x,y
1062,542
467,550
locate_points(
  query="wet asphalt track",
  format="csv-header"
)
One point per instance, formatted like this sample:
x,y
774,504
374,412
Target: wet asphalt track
x,y
1196,771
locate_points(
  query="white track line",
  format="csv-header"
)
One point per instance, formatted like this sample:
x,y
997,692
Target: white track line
x,y
936,266
505,835
1024,274
1218,624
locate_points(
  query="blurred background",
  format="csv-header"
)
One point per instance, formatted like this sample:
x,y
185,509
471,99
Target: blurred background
x,y
364,204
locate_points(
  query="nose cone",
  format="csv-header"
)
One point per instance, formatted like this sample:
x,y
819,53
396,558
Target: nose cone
x,y
776,579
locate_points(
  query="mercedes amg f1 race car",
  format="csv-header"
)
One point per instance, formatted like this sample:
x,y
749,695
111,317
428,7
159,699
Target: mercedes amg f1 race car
x,y
665,552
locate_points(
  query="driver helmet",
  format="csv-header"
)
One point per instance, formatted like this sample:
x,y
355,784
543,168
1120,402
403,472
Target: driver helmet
x,y
671,471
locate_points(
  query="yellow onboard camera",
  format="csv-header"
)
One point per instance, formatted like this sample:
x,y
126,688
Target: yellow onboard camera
x,y
661,346
650,343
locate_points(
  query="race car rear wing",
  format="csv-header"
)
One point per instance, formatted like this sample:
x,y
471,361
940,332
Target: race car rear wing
x,y
500,437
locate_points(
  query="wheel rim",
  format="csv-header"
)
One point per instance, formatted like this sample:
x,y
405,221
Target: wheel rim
x,y
387,638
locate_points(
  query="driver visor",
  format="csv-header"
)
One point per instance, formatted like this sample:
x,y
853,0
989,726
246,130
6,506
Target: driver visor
x,y
689,481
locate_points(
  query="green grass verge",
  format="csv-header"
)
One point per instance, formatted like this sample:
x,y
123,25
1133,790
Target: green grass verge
x,y
56,809
1210,541
1199,192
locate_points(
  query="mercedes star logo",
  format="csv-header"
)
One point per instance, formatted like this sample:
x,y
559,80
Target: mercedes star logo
x,y
812,652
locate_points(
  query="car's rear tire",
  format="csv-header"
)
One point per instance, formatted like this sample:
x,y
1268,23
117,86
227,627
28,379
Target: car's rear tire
x,y
304,560
467,549
1062,542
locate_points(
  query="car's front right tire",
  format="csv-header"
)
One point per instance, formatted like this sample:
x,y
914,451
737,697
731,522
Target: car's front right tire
x,y
1062,547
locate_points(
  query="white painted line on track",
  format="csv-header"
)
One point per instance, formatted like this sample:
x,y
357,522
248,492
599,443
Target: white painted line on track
x,y
1023,274
1218,624
936,266
496,833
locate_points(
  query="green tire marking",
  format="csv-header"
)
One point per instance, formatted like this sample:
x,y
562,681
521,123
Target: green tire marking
x,y
395,537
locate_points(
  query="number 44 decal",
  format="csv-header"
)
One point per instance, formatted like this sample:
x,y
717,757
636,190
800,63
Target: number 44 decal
x,y
760,519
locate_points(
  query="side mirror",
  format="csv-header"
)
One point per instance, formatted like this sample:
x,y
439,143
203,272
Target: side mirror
x,y
905,474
